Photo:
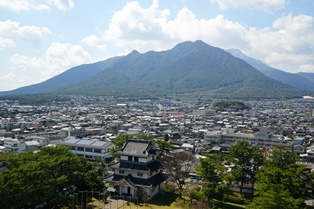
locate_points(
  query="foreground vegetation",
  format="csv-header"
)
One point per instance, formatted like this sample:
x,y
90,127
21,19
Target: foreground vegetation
x,y
48,177
173,201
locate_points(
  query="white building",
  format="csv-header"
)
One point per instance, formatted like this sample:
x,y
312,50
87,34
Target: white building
x,y
15,145
89,148
262,139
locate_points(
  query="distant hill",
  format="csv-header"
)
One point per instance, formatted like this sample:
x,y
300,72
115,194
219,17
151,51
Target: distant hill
x,y
295,80
309,76
189,67
71,76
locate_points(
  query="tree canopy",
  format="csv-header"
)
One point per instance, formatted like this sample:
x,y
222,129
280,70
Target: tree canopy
x,y
215,177
235,105
47,177
281,182
245,160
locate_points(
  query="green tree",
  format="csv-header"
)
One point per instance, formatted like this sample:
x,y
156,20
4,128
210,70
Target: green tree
x,y
215,177
49,176
162,145
276,197
194,193
119,141
145,137
245,159
277,188
281,183
282,157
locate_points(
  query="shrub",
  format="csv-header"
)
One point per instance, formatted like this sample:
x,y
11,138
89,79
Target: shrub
x,y
234,199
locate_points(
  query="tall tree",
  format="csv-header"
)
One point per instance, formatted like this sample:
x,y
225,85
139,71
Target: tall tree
x,y
281,181
49,177
282,157
215,177
275,197
178,166
245,160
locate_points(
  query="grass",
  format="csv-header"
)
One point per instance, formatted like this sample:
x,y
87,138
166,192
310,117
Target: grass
x,y
165,201
173,201
95,204
228,205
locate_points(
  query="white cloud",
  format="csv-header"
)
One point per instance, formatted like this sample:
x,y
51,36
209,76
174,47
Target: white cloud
x,y
142,26
23,5
4,42
8,77
145,29
306,68
11,80
11,31
91,40
58,58
263,5
287,44
63,5
102,48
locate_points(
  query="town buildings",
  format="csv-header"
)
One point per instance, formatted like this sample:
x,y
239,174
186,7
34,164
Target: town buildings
x,y
190,124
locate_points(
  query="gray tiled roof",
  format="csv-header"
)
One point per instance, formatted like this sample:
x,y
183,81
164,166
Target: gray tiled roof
x,y
149,167
74,142
140,148
152,181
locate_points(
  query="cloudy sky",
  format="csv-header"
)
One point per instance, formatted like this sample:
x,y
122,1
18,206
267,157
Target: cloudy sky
x,y
42,38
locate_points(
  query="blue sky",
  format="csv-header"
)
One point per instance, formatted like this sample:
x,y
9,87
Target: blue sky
x,y
42,38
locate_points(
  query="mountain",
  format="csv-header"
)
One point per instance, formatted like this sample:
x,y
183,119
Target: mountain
x,y
188,68
309,76
295,80
69,77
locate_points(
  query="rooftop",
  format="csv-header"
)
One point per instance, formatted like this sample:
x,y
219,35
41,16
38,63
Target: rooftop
x,y
86,143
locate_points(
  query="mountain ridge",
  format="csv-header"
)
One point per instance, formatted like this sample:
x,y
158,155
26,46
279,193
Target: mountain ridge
x,y
295,80
189,67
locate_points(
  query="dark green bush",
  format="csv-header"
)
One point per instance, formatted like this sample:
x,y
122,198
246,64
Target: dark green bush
x,y
234,199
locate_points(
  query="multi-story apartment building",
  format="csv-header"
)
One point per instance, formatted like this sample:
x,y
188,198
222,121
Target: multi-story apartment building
x,y
89,148
138,172
262,139
15,145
